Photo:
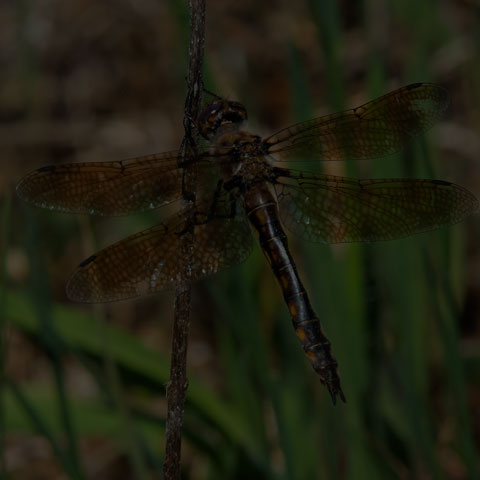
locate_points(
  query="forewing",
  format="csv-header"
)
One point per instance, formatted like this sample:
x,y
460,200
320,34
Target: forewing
x,y
378,128
151,261
105,188
330,209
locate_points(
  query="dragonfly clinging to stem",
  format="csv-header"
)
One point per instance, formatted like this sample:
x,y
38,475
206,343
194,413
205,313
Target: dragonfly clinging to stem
x,y
243,186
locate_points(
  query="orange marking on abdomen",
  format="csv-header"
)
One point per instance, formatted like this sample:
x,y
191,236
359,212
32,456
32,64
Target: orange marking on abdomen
x,y
292,309
301,335
312,356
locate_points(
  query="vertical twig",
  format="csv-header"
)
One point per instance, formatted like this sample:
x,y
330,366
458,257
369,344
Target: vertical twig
x,y
4,245
178,376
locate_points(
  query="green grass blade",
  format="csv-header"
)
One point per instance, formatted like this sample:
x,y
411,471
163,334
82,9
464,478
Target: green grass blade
x,y
40,299
447,313
81,332
38,421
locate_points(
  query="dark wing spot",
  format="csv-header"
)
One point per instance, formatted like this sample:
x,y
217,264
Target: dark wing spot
x,y
87,261
413,86
48,168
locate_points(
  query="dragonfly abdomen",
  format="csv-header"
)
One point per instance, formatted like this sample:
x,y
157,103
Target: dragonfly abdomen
x,y
262,212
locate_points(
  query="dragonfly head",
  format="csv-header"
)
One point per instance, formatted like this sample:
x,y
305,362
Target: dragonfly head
x,y
220,116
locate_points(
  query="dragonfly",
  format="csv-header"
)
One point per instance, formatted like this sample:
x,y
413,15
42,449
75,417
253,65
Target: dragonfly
x,y
245,188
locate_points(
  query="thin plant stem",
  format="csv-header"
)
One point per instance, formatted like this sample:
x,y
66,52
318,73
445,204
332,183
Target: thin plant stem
x,y
178,383
4,239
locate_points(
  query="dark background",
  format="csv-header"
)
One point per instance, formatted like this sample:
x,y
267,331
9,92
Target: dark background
x,y
83,391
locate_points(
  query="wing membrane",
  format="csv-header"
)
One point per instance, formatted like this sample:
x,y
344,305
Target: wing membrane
x,y
331,209
151,261
378,128
105,188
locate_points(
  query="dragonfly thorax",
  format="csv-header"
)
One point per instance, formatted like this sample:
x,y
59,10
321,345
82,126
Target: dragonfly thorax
x,y
246,155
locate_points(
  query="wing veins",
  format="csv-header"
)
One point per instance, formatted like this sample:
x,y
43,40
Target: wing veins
x,y
357,133
368,210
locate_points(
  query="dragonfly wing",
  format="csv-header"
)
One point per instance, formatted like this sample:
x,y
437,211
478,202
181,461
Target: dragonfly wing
x,y
151,261
331,209
377,129
105,188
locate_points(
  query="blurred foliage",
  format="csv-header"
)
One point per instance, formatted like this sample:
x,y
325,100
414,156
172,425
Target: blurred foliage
x,y
83,389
